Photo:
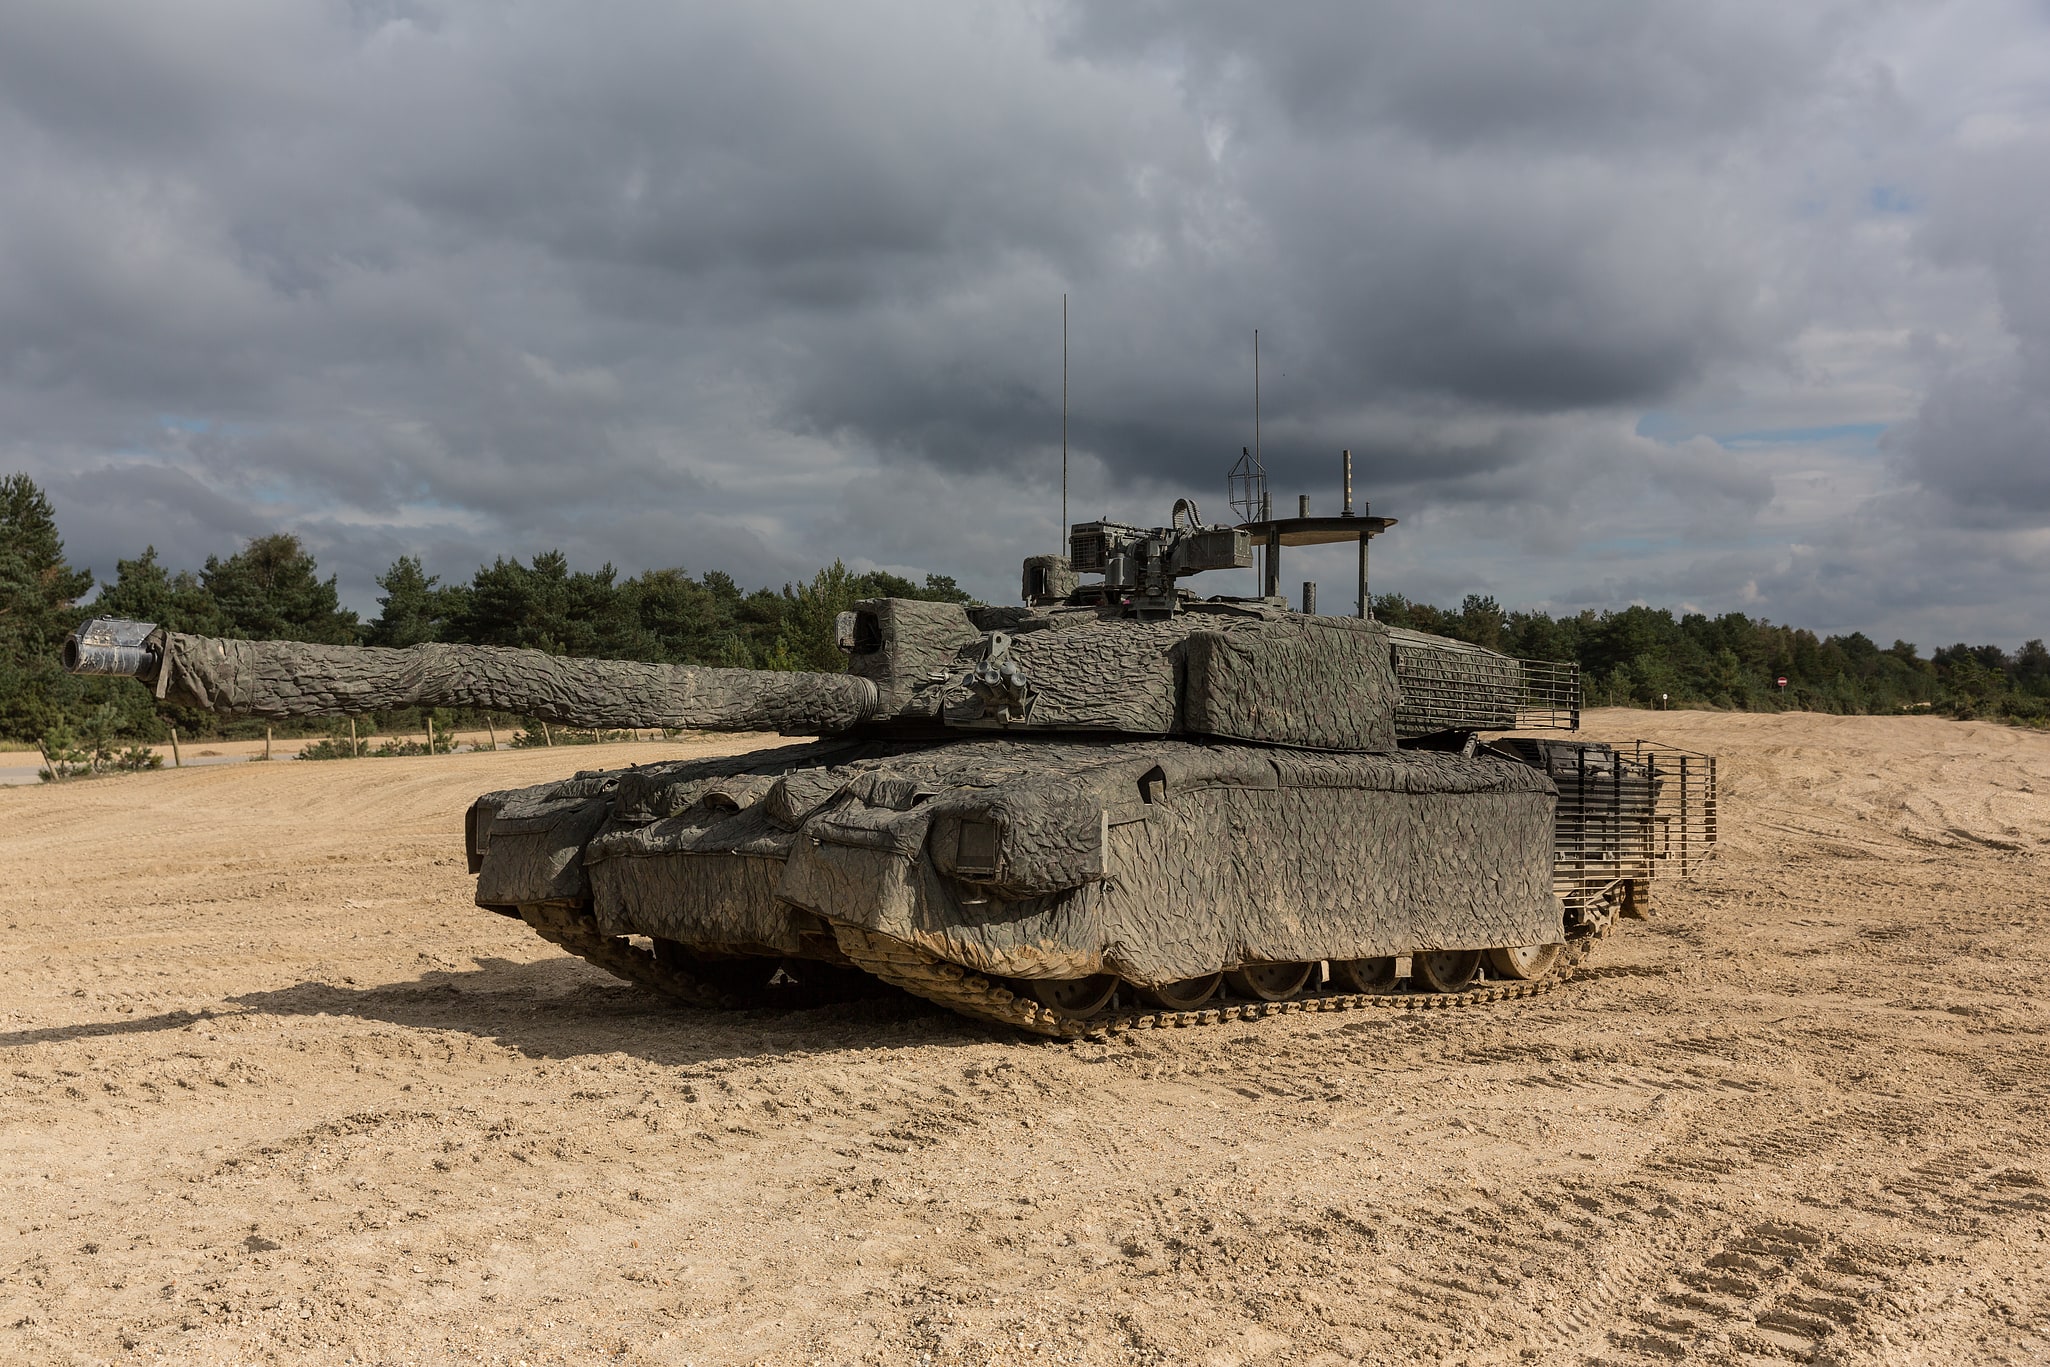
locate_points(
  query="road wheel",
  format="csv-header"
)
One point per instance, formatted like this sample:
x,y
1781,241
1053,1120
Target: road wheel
x,y
1269,982
1443,970
1186,995
1074,998
1525,962
1376,977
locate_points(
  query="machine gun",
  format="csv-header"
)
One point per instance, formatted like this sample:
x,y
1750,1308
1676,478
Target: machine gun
x,y
1139,565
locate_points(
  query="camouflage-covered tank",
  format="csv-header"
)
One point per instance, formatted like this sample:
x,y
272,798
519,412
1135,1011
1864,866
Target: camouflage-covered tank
x,y
1117,804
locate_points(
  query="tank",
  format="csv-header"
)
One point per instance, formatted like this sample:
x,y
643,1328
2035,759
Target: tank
x,y
1116,804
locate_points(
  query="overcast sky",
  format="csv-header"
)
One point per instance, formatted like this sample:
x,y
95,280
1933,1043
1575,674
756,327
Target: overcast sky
x,y
1722,306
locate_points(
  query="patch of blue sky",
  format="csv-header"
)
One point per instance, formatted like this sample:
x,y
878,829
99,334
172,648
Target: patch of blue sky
x,y
1856,435
277,494
1891,199
179,422
1675,427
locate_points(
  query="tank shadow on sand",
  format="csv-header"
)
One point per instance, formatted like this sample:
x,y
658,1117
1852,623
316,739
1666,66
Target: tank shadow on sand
x,y
558,1008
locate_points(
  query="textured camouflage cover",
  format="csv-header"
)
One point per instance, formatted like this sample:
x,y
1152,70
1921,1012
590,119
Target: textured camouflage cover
x,y
1243,672
1155,861
1450,685
281,679
1239,673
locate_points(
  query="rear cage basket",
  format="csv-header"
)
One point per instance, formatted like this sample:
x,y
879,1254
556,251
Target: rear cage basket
x,y
1628,813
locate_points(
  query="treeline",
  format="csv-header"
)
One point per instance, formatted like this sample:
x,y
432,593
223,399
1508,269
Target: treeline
x,y
272,590
1647,657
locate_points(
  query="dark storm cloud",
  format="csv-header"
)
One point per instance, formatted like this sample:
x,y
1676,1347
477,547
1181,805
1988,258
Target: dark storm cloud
x,y
750,287
1981,437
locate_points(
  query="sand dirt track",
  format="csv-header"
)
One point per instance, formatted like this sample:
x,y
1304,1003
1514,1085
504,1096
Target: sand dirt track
x,y
274,1091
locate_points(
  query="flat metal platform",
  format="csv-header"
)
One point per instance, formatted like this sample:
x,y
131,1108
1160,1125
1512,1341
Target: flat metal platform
x,y
1315,531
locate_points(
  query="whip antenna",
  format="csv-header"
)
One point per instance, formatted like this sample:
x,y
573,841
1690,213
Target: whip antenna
x,y
1064,423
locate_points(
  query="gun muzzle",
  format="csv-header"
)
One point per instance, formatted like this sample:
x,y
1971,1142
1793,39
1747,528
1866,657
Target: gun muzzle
x,y
110,645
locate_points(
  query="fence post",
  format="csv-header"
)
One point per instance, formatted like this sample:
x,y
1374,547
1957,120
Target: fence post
x,y
266,742
430,733
56,774
177,762
493,730
547,735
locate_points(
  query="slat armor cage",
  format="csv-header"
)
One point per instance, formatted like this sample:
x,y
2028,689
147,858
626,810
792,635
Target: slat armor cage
x,y
1627,814
1451,686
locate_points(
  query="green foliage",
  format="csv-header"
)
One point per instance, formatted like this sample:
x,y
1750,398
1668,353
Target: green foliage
x,y
415,607
331,747
665,615
1637,656
398,745
39,592
144,591
95,747
337,745
565,735
269,591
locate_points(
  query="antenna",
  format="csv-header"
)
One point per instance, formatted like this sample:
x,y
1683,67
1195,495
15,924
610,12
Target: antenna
x,y
1247,482
1064,423
1259,463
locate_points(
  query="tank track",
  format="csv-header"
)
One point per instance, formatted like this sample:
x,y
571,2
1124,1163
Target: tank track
x,y
971,994
572,928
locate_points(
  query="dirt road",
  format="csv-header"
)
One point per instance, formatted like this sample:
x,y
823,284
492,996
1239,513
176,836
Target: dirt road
x,y
275,1092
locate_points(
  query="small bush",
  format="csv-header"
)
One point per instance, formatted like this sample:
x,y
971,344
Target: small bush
x,y
136,758
337,747
69,756
567,735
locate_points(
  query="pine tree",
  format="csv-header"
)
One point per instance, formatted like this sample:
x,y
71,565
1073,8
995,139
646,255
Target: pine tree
x,y
415,606
39,591
144,591
269,591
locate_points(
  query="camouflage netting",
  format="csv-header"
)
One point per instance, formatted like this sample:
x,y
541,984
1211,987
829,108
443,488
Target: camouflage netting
x,y
1245,673
1452,686
1050,858
1321,682
280,679
1228,670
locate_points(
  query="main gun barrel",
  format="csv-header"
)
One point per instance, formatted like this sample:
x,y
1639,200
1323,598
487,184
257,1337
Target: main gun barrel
x,y
113,645
285,679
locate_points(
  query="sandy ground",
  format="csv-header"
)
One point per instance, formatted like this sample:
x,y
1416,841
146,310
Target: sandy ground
x,y
275,1092
25,766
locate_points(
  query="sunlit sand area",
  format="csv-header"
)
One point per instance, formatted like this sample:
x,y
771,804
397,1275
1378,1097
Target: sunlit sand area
x,y
276,1091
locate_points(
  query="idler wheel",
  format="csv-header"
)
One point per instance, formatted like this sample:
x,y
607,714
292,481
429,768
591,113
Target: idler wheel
x,y
1186,995
1074,998
1269,982
1524,962
1443,970
1375,977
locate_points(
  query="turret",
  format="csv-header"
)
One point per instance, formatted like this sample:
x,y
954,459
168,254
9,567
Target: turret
x,y
1132,654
